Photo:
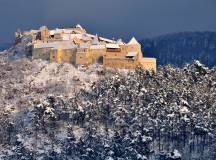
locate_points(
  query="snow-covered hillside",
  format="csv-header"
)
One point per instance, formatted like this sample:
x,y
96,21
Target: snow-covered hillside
x,y
24,79
53,111
18,51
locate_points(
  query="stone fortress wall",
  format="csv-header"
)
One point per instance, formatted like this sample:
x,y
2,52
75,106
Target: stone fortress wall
x,y
76,46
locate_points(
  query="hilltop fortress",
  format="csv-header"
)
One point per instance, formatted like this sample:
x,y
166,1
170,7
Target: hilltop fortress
x,y
76,46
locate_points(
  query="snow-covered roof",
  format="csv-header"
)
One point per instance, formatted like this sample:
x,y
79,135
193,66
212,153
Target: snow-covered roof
x,y
90,35
67,31
95,40
52,32
85,37
55,45
45,45
43,27
79,36
84,46
64,46
79,26
101,38
97,47
56,31
131,54
66,37
34,31
112,46
133,41
120,42
107,40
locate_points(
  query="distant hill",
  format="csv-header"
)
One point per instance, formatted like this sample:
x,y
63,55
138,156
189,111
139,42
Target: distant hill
x,y
4,46
180,48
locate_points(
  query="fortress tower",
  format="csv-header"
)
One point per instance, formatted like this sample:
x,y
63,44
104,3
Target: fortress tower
x,y
44,34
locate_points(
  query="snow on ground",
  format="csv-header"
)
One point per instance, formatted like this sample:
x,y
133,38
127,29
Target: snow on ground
x,y
168,115
23,79
64,75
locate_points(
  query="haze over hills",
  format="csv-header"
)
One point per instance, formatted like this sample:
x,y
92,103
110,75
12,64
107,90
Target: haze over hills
x,y
180,48
4,46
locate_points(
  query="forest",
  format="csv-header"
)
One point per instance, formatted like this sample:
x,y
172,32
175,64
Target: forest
x,y
181,48
168,115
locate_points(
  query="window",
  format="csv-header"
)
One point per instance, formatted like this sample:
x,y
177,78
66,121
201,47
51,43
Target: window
x,y
113,49
130,57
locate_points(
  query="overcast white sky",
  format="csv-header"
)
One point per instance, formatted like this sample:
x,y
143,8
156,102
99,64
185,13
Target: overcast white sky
x,y
110,18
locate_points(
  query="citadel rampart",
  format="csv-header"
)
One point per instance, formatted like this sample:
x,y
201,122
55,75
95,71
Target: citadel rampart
x,y
76,46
